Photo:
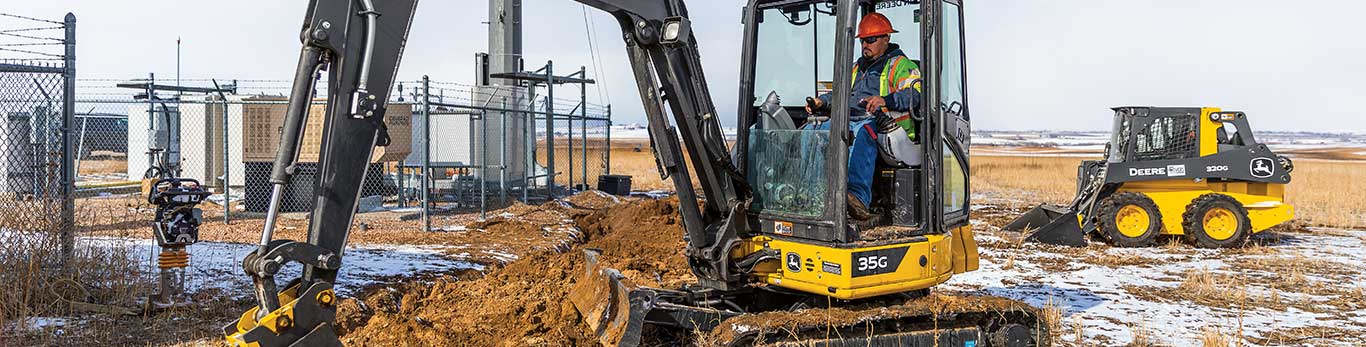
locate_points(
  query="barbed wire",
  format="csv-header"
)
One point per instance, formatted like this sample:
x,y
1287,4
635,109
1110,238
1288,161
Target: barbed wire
x,y
30,18
31,29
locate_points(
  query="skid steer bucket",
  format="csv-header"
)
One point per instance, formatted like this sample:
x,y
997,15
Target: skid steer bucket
x,y
615,312
1051,224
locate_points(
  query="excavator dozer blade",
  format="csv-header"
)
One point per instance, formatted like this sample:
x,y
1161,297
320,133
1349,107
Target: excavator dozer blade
x,y
615,312
1054,225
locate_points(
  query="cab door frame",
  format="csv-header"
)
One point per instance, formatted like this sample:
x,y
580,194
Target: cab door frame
x,y
946,128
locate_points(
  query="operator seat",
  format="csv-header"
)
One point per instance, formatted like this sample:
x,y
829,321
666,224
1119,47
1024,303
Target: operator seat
x,y
1226,142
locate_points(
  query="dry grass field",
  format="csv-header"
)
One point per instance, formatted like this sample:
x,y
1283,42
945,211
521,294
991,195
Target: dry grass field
x,y
631,157
1324,192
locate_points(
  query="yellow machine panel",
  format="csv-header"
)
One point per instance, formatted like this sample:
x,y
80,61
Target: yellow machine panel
x,y
862,272
1209,141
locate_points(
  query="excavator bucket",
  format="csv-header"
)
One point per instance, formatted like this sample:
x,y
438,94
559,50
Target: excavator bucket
x,y
615,312
1051,224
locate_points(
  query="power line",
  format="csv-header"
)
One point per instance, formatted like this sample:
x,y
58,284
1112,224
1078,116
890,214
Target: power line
x,y
590,25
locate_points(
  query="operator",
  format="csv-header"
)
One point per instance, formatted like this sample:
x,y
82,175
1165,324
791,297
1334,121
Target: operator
x,y
883,78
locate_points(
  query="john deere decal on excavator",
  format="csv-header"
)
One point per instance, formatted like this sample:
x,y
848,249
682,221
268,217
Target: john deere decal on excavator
x,y
1194,172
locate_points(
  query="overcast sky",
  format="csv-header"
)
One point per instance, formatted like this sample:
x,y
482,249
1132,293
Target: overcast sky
x,y
1055,64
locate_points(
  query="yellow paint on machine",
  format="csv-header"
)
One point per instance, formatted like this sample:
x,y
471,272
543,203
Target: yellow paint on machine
x,y
1209,139
248,321
1264,201
831,271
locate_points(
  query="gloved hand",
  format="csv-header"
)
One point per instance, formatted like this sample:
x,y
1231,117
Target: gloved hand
x,y
814,105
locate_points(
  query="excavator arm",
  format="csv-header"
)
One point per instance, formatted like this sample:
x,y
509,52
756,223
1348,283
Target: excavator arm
x,y
358,43
667,68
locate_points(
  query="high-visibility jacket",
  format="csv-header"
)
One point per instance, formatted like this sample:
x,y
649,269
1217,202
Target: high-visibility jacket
x,y
892,76
898,83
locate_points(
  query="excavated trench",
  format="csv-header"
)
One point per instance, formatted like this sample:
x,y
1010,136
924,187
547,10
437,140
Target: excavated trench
x,y
524,302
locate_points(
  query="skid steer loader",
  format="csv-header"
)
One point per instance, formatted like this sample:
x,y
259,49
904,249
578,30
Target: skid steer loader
x,y
1194,172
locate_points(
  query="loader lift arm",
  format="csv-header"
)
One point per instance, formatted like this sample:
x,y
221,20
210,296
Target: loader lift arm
x,y
359,43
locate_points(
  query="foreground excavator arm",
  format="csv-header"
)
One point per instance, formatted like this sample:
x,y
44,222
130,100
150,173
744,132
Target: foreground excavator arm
x,y
359,43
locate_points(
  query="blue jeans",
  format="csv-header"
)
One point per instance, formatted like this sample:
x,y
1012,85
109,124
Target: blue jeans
x,y
862,158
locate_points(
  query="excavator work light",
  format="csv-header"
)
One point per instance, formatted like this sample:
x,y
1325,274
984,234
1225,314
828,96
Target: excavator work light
x,y
676,29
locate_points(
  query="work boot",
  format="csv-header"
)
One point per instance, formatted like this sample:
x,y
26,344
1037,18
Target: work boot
x,y
855,207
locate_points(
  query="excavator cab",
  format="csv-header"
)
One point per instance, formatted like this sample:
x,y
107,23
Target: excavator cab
x,y
799,175
774,233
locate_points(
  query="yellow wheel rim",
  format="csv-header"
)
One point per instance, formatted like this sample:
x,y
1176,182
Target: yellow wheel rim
x,y
1220,223
1132,221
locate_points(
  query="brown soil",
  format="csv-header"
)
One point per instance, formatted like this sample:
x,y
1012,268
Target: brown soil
x,y
523,303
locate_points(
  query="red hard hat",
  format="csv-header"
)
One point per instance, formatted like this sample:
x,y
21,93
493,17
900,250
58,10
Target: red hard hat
x,y
874,24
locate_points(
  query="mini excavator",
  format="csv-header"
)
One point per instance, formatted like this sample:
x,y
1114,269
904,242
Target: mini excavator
x,y
769,231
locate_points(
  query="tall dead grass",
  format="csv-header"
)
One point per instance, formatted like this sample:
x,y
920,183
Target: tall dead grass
x,y
37,281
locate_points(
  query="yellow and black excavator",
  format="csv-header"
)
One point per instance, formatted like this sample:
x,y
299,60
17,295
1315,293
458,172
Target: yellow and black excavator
x,y
1192,172
770,230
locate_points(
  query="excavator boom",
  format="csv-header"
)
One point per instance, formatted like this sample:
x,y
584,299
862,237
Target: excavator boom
x,y
358,42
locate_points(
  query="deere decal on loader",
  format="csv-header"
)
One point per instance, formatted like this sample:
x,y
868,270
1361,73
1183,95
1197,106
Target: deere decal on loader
x,y
1195,172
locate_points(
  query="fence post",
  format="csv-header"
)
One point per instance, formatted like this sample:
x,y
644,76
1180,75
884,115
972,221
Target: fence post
x,y
583,121
503,153
68,225
483,163
426,153
550,130
607,159
528,141
227,161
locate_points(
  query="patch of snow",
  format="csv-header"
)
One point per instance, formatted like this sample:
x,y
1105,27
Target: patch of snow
x,y
452,228
655,194
217,265
501,256
217,199
1099,296
43,323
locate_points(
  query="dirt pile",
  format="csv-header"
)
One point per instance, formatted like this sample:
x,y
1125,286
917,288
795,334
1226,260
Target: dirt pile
x,y
523,303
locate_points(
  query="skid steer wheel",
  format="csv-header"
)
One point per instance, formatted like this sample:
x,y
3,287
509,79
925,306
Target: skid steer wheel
x,y
1216,221
1130,220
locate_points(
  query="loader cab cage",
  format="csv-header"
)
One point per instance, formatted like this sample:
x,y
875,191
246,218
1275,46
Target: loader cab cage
x,y
800,49
1143,133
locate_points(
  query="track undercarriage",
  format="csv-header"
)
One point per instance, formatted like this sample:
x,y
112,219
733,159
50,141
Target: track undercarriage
x,y
624,315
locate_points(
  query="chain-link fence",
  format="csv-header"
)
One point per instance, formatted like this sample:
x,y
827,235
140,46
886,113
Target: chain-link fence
x,y
227,140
